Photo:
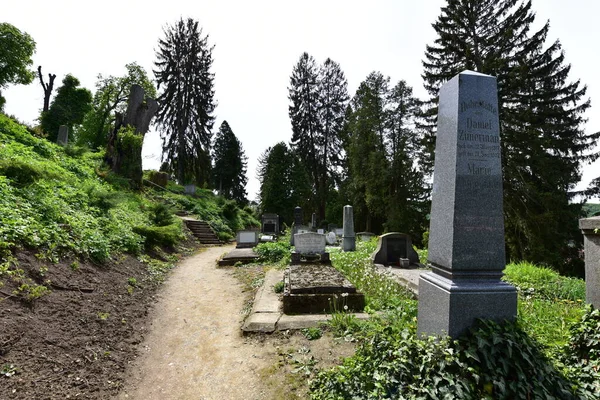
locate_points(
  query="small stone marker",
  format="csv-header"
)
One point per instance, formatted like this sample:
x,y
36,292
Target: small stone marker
x,y
189,189
298,216
270,224
321,231
466,234
313,221
331,238
394,247
591,245
63,135
348,238
245,239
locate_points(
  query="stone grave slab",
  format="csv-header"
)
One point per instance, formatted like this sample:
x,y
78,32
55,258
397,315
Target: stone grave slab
x,y
309,246
316,289
242,255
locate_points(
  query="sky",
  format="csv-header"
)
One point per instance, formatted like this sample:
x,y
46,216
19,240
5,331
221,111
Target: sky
x,y
257,43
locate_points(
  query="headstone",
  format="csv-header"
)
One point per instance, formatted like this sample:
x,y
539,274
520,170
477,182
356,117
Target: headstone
x,y
466,233
313,221
591,247
245,239
189,189
339,232
270,224
321,231
348,238
298,216
365,236
331,238
303,229
394,247
309,243
63,135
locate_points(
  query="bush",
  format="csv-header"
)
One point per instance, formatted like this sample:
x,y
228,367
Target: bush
x,y
167,235
272,252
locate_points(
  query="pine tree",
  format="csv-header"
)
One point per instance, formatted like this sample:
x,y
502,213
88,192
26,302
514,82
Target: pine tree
x,y
230,162
304,97
185,118
543,142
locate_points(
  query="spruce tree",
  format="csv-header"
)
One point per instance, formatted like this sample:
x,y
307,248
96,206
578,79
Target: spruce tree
x,y
230,162
541,122
185,118
304,108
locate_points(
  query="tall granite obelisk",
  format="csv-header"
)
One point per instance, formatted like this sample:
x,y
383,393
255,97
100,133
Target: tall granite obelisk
x,y
466,233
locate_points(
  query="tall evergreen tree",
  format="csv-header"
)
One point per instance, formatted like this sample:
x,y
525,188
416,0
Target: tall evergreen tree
x,y
304,107
230,162
68,107
185,118
541,120
284,182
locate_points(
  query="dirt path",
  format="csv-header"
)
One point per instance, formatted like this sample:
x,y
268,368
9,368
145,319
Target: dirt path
x,y
195,349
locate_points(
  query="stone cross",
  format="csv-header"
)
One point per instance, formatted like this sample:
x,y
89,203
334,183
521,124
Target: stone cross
x,y
466,233
348,237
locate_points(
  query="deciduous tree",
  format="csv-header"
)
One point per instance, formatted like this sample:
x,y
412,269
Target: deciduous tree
x,y
16,49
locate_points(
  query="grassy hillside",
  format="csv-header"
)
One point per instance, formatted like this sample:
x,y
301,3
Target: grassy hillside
x,y
58,201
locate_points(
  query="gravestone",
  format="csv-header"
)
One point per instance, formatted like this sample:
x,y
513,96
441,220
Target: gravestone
x,y
246,239
270,224
466,233
591,245
298,216
338,232
365,236
331,238
189,190
394,247
321,231
313,221
63,135
348,238
309,246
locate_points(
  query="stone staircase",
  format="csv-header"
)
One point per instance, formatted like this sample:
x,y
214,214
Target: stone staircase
x,y
202,231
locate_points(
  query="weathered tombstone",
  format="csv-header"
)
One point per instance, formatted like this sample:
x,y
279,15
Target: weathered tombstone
x,y
246,239
591,246
394,247
298,216
313,221
270,224
348,238
321,231
365,236
63,135
331,238
189,189
466,234
308,245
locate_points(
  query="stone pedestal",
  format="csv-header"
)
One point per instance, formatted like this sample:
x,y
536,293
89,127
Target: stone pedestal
x,y
466,234
348,237
591,242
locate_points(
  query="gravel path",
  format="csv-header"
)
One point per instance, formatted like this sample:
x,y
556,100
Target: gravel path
x,y
194,349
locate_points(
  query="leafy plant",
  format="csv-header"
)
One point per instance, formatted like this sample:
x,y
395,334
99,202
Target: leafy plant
x,y
273,252
278,287
312,333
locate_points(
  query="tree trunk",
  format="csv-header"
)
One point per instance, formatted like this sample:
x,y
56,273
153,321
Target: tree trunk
x,y
47,88
124,150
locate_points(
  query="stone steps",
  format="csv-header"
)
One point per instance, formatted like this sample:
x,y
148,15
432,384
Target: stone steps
x,y
202,231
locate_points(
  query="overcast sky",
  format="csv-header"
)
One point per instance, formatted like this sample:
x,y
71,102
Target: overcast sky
x,y
257,43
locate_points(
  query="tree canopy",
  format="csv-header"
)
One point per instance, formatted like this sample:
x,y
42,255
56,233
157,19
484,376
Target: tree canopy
x,y
16,50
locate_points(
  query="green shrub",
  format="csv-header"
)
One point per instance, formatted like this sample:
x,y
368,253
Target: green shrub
x,y
168,235
272,252
161,214
544,282
278,287
312,333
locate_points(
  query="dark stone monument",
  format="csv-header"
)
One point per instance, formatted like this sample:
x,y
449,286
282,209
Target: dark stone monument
x,y
466,234
313,221
270,224
63,135
348,237
298,216
591,245
394,248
